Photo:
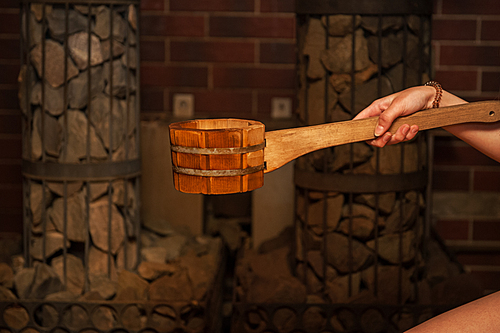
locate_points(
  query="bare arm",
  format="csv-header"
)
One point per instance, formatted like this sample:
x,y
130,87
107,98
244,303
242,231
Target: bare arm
x,y
484,137
479,316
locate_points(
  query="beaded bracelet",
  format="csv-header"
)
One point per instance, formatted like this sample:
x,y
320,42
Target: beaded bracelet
x,y
439,92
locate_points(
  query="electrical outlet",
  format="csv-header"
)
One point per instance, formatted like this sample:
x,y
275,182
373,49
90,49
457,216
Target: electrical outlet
x,y
183,105
281,107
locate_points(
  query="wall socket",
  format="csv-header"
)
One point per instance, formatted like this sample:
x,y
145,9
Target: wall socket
x,y
281,107
183,105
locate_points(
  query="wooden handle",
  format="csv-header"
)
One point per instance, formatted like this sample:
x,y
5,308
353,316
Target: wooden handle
x,y
283,146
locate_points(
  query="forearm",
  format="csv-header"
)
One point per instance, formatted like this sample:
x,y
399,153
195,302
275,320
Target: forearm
x,y
485,137
480,316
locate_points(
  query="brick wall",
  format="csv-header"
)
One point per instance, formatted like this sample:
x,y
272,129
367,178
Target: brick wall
x,y
467,62
233,56
10,120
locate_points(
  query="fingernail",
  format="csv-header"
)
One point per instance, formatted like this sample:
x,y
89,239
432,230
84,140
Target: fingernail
x,y
414,130
386,138
379,130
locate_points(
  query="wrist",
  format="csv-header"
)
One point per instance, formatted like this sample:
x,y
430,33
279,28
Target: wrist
x,y
438,92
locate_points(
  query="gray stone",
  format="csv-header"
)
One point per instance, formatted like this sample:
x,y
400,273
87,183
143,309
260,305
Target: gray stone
x,y
315,212
392,50
75,221
34,28
401,220
360,227
98,189
340,25
103,286
389,247
45,282
174,244
153,270
37,9
76,147
117,48
342,158
103,23
131,261
337,58
338,289
388,284
6,294
313,45
123,80
132,17
54,63
54,241
364,94
156,254
385,201
50,138
6,276
339,253
176,287
371,23
98,224
98,265
79,49
23,281
134,283
37,200
78,91
129,59
389,160
75,273
58,187
100,118
202,271
56,20
395,75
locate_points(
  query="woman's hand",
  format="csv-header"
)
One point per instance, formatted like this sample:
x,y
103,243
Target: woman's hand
x,y
396,105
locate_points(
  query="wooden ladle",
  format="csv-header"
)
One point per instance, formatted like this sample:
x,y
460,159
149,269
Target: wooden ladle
x,y
222,156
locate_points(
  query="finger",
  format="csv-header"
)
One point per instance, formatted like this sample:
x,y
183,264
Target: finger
x,y
413,131
400,134
381,141
375,108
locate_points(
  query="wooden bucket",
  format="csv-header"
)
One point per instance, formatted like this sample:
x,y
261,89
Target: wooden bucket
x,y
217,156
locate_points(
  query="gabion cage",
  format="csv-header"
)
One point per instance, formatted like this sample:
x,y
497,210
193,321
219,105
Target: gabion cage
x,y
361,219
79,94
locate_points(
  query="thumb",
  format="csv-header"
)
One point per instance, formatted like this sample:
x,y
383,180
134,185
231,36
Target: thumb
x,y
384,122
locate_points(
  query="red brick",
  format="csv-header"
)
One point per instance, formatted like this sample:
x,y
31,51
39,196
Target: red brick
x,y
172,25
173,76
489,30
457,80
10,23
259,27
10,173
230,77
152,99
264,101
9,49
487,7
152,51
459,155
11,148
9,74
453,29
152,4
470,55
482,259
453,230
224,102
284,6
11,197
10,124
486,230
9,4
205,51
489,280
278,53
490,81
487,181
9,99
11,222
450,180
213,5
